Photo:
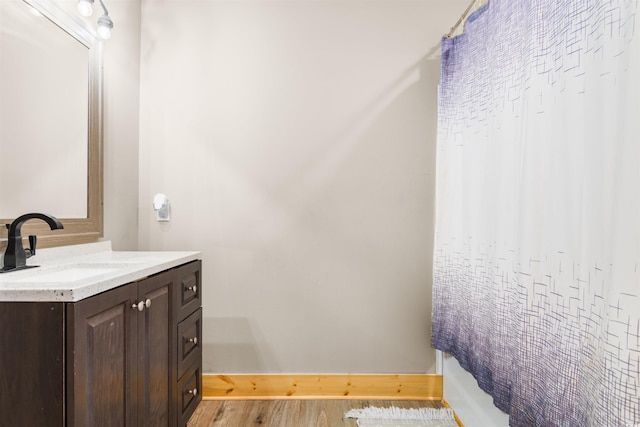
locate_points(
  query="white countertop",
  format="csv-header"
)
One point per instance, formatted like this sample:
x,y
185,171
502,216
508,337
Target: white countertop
x,y
73,273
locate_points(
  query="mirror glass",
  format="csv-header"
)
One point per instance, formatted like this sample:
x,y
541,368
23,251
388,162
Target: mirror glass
x,y
44,115
50,121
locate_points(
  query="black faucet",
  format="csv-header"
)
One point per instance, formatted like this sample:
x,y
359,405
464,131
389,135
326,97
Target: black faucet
x,y
15,257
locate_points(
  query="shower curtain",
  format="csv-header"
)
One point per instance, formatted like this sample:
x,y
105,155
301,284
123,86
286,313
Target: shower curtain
x,y
537,252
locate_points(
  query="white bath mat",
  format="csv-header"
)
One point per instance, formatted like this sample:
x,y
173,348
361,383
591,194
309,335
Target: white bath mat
x,y
386,417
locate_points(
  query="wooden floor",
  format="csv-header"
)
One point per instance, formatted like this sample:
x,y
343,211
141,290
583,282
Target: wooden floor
x,y
289,413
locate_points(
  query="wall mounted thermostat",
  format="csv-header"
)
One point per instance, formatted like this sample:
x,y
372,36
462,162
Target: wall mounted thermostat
x,y
161,206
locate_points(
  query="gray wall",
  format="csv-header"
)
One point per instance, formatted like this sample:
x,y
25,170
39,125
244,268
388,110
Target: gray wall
x,y
296,142
121,121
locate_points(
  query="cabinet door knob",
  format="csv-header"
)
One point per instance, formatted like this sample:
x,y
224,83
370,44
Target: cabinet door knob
x,y
194,392
194,340
193,288
142,305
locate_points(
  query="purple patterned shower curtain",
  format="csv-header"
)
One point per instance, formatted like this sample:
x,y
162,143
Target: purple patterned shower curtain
x,y
537,252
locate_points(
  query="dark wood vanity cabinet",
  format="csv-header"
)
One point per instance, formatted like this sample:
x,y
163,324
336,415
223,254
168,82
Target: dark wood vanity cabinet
x,y
130,356
122,349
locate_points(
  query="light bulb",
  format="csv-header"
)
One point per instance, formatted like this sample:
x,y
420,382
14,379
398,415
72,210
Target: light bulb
x,y
104,27
85,7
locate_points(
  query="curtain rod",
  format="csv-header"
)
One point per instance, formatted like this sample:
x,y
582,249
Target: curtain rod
x,y
462,18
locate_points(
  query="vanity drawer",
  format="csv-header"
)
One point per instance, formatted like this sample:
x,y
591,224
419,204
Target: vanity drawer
x,y
190,390
189,289
189,341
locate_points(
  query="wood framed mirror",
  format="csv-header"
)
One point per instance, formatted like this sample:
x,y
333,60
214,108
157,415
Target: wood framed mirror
x,y
29,186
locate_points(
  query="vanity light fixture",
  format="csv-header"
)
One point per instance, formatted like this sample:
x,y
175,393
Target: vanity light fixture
x,y
105,24
85,7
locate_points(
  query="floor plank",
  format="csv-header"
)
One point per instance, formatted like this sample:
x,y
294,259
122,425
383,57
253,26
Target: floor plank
x,y
289,413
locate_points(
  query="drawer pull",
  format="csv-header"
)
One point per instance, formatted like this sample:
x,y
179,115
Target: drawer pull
x,y
194,340
194,392
142,304
193,288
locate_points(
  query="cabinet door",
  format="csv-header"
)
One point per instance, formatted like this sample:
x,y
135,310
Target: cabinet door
x,y
101,359
32,364
155,335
